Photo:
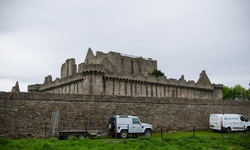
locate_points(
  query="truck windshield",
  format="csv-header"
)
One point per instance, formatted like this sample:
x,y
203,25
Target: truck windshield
x,y
136,121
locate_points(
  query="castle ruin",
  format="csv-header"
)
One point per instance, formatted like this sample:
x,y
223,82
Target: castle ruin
x,y
111,83
117,74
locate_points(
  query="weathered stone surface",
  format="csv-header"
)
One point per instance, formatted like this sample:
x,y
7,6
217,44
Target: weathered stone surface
x,y
25,114
124,75
15,88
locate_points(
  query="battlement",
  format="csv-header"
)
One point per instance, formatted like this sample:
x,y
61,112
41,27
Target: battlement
x,y
119,74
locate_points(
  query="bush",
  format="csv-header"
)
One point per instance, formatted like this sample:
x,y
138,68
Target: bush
x,y
157,73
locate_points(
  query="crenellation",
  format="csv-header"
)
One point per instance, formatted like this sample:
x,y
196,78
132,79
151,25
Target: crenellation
x,y
34,87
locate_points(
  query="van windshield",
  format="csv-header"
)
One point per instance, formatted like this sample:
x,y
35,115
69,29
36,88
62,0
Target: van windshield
x,y
242,118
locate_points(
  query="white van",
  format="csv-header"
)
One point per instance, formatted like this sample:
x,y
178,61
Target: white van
x,y
228,122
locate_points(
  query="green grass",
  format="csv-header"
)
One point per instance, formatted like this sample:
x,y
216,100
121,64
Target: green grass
x,y
203,140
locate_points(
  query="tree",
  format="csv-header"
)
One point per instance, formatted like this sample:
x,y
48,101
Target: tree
x,y
157,73
236,93
227,93
248,94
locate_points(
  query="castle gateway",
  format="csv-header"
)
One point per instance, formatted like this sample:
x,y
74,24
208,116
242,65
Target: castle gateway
x,y
123,75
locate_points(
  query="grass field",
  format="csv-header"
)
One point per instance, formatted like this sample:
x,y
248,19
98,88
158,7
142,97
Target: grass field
x,y
202,140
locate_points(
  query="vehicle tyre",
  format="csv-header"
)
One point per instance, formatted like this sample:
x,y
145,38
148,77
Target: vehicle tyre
x,y
111,126
124,134
148,133
228,130
70,137
81,136
61,137
248,129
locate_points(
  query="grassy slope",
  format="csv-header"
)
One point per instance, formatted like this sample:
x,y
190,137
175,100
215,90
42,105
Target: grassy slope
x,y
184,140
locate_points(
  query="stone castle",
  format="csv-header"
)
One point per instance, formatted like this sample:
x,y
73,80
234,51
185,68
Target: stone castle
x,y
106,85
124,75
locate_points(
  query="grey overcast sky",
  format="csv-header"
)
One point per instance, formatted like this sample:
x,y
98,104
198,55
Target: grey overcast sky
x,y
184,36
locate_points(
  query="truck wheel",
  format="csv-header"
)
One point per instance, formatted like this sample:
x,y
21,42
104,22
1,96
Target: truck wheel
x,y
124,134
228,130
111,126
148,133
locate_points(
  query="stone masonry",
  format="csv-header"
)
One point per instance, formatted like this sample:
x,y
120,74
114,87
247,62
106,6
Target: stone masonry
x,y
25,114
124,75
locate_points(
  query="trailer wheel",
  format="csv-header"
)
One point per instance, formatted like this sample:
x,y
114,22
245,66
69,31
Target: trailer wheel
x,y
61,137
228,130
81,136
70,137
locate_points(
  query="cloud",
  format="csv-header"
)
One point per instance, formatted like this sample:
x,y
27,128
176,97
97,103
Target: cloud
x,y
185,37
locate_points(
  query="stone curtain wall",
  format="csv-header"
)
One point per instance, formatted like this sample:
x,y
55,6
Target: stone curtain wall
x,y
139,88
124,75
25,114
95,83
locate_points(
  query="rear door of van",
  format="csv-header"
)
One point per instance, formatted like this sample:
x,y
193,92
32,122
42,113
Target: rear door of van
x,y
215,122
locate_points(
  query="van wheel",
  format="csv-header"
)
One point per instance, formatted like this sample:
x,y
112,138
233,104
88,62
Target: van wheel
x,y
228,130
248,129
124,134
148,133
